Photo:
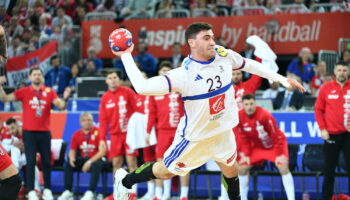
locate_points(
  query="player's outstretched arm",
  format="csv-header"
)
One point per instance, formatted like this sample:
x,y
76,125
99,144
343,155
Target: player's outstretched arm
x,y
254,67
153,86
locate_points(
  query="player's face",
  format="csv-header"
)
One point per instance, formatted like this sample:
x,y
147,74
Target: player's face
x,y
341,73
112,81
203,44
86,122
12,128
249,106
237,76
164,70
36,77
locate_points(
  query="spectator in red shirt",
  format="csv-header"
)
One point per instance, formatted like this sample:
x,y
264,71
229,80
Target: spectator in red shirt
x,y
10,181
164,113
37,101
244,87
116,107
261,139
332,114
85,154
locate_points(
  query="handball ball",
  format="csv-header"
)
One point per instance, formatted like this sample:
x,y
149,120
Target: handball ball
x,y
120,39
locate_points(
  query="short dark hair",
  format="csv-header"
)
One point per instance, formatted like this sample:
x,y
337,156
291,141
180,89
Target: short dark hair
x,y
248,97
53,58
193,29
112,72
342,63
11,121
35,69
177,43
165,63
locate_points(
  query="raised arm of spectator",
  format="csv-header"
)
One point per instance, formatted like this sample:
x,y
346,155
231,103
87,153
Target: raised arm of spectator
x,y
3,96
62,104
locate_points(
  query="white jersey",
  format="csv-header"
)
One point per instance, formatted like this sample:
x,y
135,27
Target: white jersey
x,y
208,94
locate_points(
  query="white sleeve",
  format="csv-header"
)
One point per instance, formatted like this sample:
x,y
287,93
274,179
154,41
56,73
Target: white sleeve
x,y
237,60
254,67
158,85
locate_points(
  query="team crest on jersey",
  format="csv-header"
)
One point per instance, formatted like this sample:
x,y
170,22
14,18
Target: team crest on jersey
x,y
221,51
47,90
217,104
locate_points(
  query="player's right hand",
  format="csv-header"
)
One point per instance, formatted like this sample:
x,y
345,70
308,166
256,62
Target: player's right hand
x,y
324,134
72,162
296,84
147,139
128,50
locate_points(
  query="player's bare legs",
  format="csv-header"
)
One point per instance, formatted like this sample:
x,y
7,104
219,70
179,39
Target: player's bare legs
x,y
117,162
148,171
185,182
282,164
230,180
243,172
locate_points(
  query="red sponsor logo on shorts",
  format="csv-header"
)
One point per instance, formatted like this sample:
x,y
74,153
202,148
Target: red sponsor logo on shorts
x,y
180,165
231,158
217,104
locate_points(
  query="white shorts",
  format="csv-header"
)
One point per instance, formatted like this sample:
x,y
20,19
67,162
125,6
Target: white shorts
x,y
183,155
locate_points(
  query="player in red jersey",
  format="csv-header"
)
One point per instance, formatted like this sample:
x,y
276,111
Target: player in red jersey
x,y
116,106
37,101
149,152
244,87
85,154
332,114
10,181
164,113
261,139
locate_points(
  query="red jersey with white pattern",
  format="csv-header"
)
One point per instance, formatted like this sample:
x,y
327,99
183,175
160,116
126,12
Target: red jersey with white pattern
x,y
165,112
116,107
5,160
247,87
86,143
332,107
259,131
32,100
4,133
142,102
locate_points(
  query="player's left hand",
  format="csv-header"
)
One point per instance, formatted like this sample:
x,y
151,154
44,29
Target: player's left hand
x,y
280,160
128,50
86,166
67,92
296,84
